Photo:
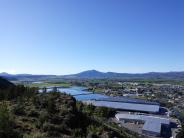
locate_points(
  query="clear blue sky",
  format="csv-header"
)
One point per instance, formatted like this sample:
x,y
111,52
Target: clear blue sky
x,y
70,36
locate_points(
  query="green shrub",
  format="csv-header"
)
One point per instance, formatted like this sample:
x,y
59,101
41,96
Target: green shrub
x,y
6,123
42,119
92,135
18,109
51,107
35,135
77,133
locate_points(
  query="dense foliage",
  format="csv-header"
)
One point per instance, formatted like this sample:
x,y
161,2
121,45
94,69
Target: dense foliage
x,y
57,115
6,123
25,113
14,92
4,84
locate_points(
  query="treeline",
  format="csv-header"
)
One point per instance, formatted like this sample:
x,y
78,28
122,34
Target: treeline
x,y
90,110
14,92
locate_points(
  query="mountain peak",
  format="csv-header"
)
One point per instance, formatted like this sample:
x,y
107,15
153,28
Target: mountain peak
x,y
98,74
4,74
93,70
90,73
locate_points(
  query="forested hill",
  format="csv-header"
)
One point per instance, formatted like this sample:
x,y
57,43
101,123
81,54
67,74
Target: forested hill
x,y
26,113
4,84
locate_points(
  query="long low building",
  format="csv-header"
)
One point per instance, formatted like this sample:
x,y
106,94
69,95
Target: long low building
x,y
152,125
127,100
127,104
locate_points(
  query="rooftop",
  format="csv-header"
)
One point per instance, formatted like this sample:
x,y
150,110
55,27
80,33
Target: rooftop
x,y
128,106
152,123
128,100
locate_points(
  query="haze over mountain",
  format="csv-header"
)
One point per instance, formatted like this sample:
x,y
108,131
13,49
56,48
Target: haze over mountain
x,y
24,76
98,74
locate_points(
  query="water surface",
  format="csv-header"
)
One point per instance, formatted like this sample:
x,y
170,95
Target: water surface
x,y
80,93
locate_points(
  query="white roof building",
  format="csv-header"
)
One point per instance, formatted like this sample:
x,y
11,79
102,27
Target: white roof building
x,y
128,106
152,124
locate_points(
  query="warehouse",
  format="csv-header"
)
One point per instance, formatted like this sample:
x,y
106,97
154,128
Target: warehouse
x,y
152,125
127,100
128,104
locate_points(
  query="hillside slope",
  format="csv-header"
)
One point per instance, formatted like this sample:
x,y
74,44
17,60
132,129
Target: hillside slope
x,y
4,84
55,115
26,113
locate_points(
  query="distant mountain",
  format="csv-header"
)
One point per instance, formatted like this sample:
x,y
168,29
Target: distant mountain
x,y
7,74
90,73
4,84
4,74
25,77
98,74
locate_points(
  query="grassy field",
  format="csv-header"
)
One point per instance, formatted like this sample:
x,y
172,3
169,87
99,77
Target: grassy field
x,y
47,84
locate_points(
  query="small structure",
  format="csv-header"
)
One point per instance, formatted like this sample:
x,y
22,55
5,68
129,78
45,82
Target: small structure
x,y
152,125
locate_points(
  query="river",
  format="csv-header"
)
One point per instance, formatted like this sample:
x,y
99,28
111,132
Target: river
x,y
80,93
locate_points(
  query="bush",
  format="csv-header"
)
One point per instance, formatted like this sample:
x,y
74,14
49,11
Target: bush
x,y
18,109
55,130
33,113
104,112
35,135
6,123
77,133
51,107
42,119
92,135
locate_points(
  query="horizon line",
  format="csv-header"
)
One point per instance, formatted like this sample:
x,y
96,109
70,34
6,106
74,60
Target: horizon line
x,y
8,73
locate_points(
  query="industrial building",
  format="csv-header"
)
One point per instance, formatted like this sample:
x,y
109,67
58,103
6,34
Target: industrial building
x,y
152,125
128,104
127,100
